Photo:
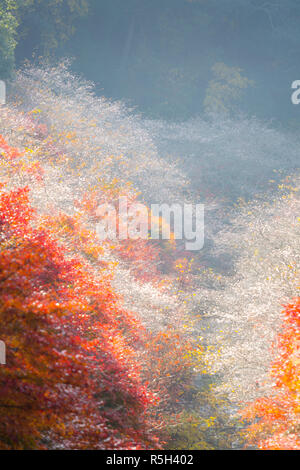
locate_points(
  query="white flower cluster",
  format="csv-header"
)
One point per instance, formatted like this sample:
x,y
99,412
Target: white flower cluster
x,y
245,311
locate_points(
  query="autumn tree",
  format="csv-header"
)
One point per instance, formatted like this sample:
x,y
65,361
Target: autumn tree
x,y
276,422
72,378
84,151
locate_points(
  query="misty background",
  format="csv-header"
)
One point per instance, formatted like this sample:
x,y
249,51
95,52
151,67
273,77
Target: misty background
x,y
159,55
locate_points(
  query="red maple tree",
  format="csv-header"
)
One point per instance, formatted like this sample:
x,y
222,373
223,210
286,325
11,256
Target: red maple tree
x,y
277,418
71,379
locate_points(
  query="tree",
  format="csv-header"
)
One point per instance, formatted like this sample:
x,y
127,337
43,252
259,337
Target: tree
x,y
44,25
224,89
8,35
277,424
36,25
72,378
81,142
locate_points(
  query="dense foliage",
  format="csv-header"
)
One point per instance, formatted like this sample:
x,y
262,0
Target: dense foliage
x,y
277,416
108,362
138,343
72,378
35,25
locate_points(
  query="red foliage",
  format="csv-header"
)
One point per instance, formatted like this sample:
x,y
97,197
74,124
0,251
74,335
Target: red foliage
x,y
81,372
72,379
278,416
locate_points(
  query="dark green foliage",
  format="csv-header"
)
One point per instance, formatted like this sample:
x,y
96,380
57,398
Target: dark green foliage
x,y
8,30
45,24
35,26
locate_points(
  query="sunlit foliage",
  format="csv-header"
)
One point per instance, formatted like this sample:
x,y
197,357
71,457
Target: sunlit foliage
x,y
152,347
277,422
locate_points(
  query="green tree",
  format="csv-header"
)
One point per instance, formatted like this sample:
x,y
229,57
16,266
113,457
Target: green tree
x,y
8,32
36,26
45,24
225,89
